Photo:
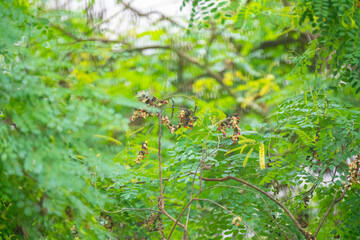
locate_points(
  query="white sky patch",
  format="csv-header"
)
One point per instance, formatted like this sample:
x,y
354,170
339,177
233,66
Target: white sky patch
x,y
127,21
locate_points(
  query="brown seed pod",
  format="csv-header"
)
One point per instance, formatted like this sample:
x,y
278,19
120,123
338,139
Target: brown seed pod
x,y
173,128
230,122
135,115
142,153
236,221
354,172
165,120
144,146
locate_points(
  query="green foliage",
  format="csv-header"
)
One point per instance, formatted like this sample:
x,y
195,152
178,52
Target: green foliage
x,y
335,23
330,27
68,148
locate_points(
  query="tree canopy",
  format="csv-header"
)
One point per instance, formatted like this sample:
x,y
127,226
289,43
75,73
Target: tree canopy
x,y
239,122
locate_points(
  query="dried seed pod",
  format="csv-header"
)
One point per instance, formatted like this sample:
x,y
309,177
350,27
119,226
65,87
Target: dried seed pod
x,y
234,138
153,102
230,122
234,121
165,120
306,201
143,114
354,171
135,115
237,131
142,153
152,219
173,128
144,146
192,121
181,114
236,221
186,118
161,102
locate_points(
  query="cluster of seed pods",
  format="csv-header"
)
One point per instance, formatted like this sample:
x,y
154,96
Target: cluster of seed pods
x,y
231,122
354,171
186,120
166,121
142,152
151,102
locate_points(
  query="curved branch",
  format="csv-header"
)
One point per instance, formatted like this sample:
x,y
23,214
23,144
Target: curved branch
x,y
219,205
297,224
336,200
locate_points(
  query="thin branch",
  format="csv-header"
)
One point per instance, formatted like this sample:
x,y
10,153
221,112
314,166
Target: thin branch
x,y
130,209
108,19
182,212
78,39
143,182
140,49
219,205
148,14
161,200
213,74
161,203
172,219
192,190
305,233
336,200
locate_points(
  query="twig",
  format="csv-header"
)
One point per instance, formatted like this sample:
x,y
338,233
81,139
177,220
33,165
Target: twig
x,y
336,200
203,199
78,39
192,190
161,203
161,200
305,233
172,219
257,194
130,209
213,74
147,14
